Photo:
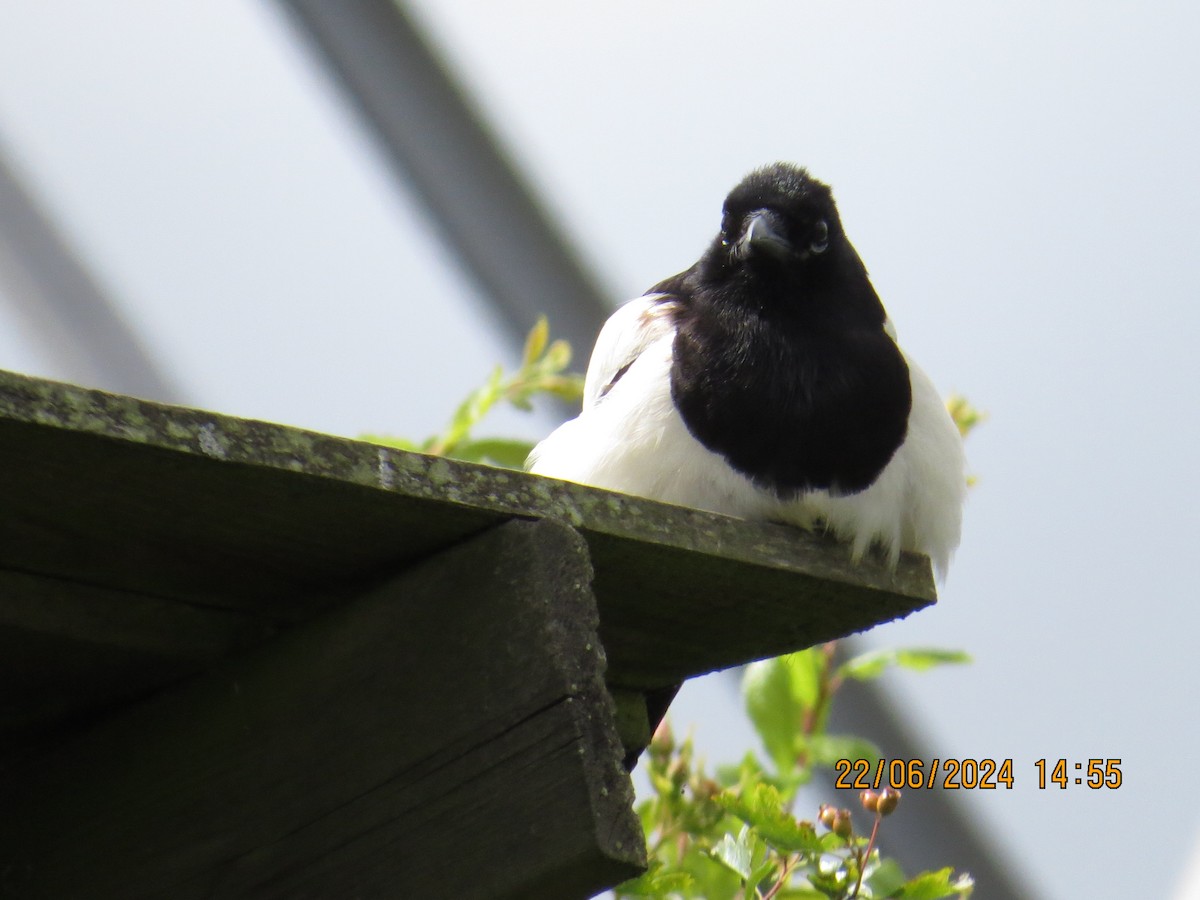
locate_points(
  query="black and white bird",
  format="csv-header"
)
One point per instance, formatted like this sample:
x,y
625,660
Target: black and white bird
x,y
766,382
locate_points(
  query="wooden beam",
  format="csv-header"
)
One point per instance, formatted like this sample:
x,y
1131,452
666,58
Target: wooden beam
x,y
69,652
446,735
159,514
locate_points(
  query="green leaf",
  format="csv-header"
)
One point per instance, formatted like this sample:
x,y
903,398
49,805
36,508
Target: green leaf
x,y
919,659
832,883
867,665
535,341
965,416
872,664
761,807
935,886
468,414
801,893
778,693
521,402
655,883
769,866
568,387
887,878
558,356
735,854
511,454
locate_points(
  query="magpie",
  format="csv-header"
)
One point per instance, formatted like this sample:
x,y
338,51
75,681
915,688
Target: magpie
x,y
765,382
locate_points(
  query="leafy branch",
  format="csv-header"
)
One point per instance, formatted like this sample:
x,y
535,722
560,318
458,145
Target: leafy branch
x,y
965,416
734,836
543,371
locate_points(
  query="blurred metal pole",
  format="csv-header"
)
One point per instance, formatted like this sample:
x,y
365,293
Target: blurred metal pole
x,y
74,321
438,143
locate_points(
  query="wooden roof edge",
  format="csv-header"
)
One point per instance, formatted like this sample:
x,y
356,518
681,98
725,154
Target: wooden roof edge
x,y
85,411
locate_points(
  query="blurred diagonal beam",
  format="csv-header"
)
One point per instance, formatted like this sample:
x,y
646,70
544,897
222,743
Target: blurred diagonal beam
x,y
439,143
73,321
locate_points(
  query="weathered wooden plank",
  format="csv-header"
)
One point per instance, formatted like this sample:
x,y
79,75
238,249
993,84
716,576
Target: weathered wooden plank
x,y
344,758
683,613
419,486
69,651
206,530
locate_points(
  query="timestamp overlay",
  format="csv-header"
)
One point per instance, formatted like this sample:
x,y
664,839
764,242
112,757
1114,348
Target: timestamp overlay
x,y
984,774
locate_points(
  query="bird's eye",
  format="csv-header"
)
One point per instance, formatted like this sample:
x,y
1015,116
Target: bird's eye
x,y
820,239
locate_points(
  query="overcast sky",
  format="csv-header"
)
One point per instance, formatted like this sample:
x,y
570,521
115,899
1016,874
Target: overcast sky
x,y
1019,177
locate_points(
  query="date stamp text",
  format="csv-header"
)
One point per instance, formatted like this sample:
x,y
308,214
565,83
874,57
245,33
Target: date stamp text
x,y
973,774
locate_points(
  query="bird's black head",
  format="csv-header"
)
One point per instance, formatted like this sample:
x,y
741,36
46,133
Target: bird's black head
x,y
780,216
781,238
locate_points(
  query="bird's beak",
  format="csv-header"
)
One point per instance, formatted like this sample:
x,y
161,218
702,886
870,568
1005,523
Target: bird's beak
x,y
763,234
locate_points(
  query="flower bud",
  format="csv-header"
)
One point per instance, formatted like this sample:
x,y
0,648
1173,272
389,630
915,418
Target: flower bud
x,y
869,800
889,799
663,741
826,815
706,789
677,772
842,826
